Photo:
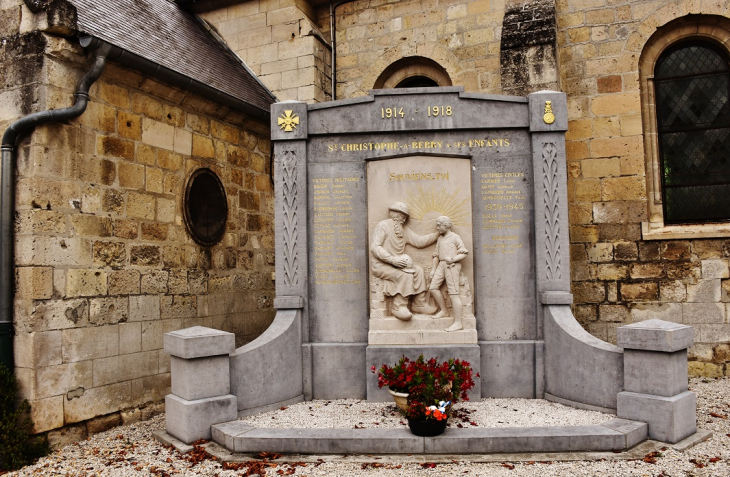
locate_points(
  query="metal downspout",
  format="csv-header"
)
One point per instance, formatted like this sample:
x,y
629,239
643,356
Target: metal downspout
x,y
333,40
7,193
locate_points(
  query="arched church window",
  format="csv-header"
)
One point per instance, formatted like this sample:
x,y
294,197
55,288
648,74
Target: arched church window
x,y
417,82
692,94
413,72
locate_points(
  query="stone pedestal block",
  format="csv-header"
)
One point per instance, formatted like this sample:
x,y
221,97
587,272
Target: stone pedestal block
x,y
201,385
655,378
655,372
670,419
655,335
200,378
191,420
199,342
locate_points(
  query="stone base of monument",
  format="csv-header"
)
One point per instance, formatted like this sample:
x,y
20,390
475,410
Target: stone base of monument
x,y
376,355
614,435
421,330
655,378
191,420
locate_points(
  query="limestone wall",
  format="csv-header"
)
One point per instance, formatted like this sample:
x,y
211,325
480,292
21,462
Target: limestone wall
x,y
281,44
104,264
461,36
621,274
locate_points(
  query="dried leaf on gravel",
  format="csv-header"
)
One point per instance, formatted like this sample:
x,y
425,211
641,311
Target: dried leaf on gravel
x,y
651,457
714,414
197,455
378,465
429,465
269,455
697,463
508,466
253,467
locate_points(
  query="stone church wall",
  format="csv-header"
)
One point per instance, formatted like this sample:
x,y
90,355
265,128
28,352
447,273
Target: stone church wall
x,y
461,36
618,276
104,264
281,44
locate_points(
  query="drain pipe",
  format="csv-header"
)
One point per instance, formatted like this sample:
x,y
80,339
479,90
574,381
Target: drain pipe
x,y
333,40
7,193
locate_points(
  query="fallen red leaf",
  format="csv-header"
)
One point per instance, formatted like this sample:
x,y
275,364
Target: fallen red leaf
x,y
650,458
509,466
714,414
269,455
697,463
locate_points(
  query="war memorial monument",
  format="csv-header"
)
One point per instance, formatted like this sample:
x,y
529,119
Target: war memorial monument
x,y
427,221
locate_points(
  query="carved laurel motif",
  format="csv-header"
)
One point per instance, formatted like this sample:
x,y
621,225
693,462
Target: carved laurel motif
x,y
552,214
291,261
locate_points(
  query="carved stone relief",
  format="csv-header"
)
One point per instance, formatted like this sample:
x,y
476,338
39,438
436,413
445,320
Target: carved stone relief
x,y
421,265
552,213
290,220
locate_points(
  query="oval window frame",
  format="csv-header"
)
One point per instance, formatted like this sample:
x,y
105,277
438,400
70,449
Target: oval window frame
x,y
211,239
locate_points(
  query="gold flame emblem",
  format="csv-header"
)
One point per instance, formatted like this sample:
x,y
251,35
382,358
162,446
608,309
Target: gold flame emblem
x,y
288,121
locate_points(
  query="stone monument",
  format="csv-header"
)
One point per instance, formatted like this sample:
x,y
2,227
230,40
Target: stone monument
x,y
361,185
433,221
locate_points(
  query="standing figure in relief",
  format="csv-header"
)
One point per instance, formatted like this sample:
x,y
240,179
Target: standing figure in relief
x,y
450,250
402,279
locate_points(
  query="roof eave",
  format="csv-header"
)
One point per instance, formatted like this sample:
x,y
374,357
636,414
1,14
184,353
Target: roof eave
x,y
175,79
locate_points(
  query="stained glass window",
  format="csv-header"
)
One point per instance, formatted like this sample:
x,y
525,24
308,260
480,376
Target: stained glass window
x,y
692,84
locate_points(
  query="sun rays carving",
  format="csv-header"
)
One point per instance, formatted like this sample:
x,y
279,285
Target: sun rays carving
x,y
422,200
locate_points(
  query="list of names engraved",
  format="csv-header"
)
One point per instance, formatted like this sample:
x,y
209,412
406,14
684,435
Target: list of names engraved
x,y
334,235
504,211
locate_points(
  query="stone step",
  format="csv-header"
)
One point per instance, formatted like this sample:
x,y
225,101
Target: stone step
x,y
614,435
419,323
428,337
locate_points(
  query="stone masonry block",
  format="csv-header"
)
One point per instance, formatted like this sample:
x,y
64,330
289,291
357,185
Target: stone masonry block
x,y
200,378
670,419
34,282
715,269
157,134
81,282
655,335
705,291
655,372
191,420
703,312
199,342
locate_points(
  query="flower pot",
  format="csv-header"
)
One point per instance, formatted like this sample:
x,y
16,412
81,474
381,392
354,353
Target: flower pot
x,y
427,427
401,399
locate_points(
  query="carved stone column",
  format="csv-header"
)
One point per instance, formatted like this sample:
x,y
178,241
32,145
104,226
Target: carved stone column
x,y
548,112
289,134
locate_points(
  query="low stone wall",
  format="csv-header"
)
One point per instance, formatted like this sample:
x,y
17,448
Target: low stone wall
x,y
580,369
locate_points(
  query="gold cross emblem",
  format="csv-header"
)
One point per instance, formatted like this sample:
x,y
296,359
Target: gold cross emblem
x,y
288,121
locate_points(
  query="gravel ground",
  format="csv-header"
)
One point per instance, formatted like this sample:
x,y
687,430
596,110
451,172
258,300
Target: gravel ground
x,y
351,413
131,450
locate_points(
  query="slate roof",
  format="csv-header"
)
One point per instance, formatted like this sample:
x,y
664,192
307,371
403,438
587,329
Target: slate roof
x,y
161,32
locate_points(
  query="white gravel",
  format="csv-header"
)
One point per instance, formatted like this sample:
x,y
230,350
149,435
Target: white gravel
x,y
352,413
131,450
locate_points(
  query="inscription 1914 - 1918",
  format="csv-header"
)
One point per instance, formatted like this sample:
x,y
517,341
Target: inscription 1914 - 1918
x,y
334,235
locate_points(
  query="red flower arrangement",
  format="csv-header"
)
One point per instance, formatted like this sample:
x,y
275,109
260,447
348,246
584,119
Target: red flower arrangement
x,y
428,384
